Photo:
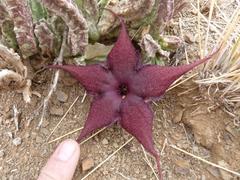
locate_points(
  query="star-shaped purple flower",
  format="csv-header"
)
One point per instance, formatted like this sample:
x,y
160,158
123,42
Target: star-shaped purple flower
x,y
120,89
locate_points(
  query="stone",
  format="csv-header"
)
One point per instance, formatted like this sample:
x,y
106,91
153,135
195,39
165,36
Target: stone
x,y
45,124
9,134
2,153
182,171
178,116
105,141
182,163
17,141
183,167
225,175
214,171
45,131
87,164
137,171
39,139
189,38
115,145
57,111
62,96
27,135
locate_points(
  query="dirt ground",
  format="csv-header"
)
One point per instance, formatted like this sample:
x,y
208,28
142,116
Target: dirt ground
x,y
185,117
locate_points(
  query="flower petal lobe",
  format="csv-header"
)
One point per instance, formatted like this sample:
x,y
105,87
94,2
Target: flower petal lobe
x,y
123,58
94,78
100,117
153,81
137,119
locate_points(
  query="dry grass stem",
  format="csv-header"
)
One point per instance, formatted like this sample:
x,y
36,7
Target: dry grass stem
x,y
149,163
76,130
164,146
109,157
16,117
54,129
185,50
199,29
183,81
123,176
67,134
90,137
84,97
208,27
205,161
213,26
224,73
54,83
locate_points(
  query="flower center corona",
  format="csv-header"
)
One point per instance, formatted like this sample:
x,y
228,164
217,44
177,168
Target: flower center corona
x,y
123,89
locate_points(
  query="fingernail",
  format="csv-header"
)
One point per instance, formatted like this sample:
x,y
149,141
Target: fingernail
x,y
65,151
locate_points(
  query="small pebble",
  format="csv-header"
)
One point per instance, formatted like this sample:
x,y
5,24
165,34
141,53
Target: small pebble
x,y
189,38
27,135
178,116
105,172
9,134
214,171
225,175
62,96
58,111
115,145
182,171
2,153
137,171
34,134
203,177
105,141
17,141
11,177
39,139
183,163
87,164
45,124
45,131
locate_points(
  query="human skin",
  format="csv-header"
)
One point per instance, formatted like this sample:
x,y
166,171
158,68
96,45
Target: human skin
x,y
62,163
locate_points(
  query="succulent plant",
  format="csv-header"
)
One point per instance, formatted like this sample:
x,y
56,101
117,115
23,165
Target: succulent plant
x,y
20,14
36,27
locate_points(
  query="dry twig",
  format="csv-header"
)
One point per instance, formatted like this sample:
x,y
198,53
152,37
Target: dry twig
x,y
16,117
54,129
109,157
149,163
205,161
53,86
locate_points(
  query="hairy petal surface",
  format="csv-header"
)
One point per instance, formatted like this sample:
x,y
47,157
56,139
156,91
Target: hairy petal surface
x,y
100,117
153,81
95,78
123,58
137,119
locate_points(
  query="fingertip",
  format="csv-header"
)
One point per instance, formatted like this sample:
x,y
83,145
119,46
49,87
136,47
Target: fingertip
x,y
63,162
66,150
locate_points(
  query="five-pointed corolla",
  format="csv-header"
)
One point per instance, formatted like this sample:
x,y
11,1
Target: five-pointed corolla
x,y
120,89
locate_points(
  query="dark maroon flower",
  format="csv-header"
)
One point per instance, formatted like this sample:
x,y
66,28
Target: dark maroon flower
x,y
120,89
